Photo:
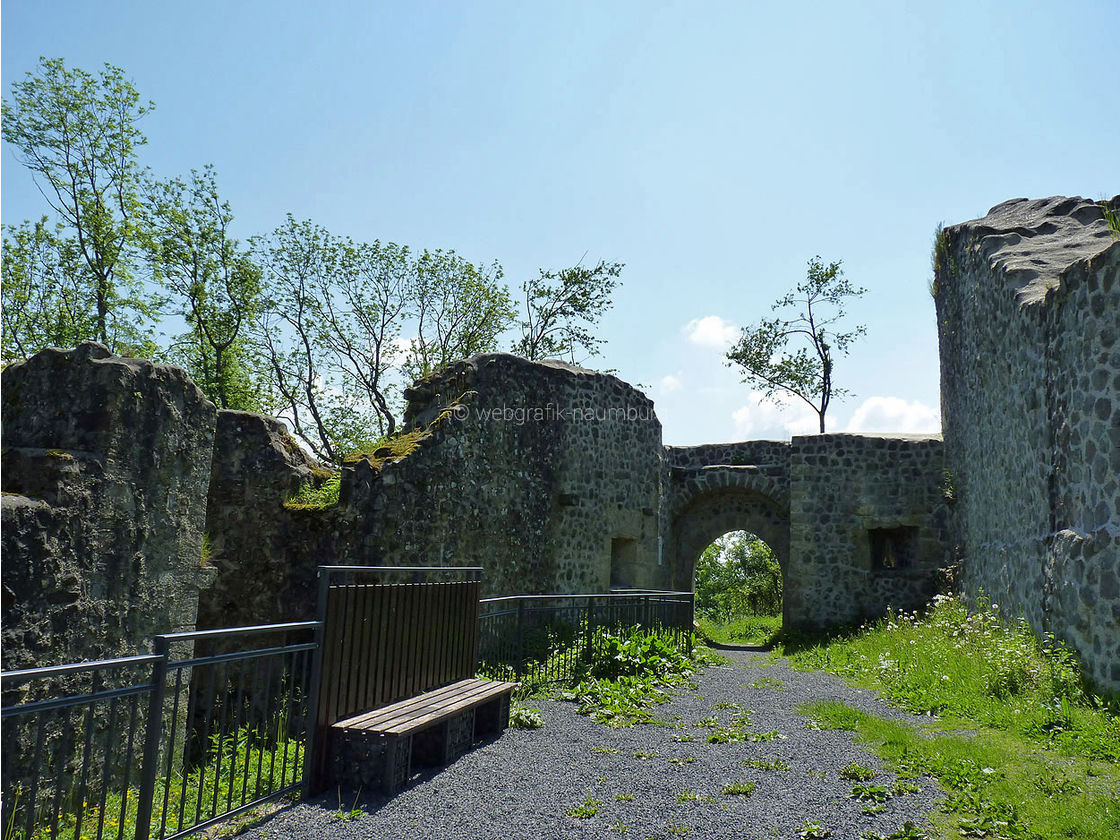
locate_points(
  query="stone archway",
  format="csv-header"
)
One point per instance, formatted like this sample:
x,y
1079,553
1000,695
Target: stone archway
x,y
710,515
718,488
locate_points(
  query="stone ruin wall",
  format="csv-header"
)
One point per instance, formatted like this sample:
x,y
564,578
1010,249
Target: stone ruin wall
x,y
856,501
716,488
534,471
1028,312
106,463
533,474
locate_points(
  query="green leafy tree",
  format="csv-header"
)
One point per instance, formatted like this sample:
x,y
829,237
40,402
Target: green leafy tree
x,y
299,262
78,135
214,283
44,303
361,307
761,353
562,307
459,308
738,575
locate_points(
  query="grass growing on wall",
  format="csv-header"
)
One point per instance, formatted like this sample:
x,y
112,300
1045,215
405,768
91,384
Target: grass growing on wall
x,y
312,496
1023,749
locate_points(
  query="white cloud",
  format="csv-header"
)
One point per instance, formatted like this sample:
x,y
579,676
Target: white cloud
x,y
893,414
671,382
765,419
711,331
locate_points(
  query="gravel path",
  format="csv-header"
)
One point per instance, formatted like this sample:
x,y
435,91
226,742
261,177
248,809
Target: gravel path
x,y
521,785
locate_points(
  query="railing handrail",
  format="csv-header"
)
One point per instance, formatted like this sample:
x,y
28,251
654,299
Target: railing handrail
x,y
401,568
194,635
635,594
74,667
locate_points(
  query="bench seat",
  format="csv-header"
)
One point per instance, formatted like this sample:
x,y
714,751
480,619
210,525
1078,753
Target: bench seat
x,y
445,721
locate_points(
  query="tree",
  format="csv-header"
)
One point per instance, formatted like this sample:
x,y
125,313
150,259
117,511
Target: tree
x,y
460,309
298,261
361,308
78,135
738,575
214,282
807,373
44,303
560,309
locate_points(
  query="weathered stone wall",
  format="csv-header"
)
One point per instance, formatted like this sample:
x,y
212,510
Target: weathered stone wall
x,y
265,554
716,488
868,522
546,475
106,463
1028,310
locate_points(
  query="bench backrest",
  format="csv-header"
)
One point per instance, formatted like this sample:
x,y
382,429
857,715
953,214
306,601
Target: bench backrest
x,y
384,642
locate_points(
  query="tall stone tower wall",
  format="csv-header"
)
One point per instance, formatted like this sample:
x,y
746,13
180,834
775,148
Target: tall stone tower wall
x,y
1028,312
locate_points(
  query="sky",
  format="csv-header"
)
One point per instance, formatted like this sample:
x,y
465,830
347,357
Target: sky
x,y
714,148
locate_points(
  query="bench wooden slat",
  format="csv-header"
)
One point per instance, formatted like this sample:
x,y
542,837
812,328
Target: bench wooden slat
x,y
461,704
360,721
427,707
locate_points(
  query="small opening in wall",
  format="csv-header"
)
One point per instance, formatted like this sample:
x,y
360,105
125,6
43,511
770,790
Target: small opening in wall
x,y
624,557
893,548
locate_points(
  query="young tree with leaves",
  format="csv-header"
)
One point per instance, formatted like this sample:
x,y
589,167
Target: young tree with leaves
x,y
78,135
459,309
561,307
214,283
761,353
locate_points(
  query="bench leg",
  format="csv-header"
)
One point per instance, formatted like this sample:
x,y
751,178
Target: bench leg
x,y
458,735
398,764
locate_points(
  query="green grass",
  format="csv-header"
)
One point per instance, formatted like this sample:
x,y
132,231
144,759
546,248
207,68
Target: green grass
x,y
208,789
315,496
757,630
1022,748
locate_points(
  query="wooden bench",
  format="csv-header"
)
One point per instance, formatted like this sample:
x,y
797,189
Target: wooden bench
x,y
436,727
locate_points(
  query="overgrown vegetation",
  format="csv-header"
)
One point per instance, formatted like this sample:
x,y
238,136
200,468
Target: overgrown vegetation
x,y
630,673
1024,750
315,496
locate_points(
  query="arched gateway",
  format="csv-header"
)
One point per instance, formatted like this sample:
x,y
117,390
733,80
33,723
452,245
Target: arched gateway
x,y
719,488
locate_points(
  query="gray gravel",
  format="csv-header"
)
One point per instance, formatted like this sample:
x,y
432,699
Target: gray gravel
x,y
522,784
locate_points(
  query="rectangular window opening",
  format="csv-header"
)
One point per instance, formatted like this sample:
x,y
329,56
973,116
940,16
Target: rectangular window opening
x,y
893,548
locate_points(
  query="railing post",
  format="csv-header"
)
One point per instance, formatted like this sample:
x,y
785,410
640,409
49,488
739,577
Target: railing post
x,y
152,738
310,758
519,660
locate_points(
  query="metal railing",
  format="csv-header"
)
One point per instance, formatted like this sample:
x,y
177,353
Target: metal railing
x,y
550,638
215,722
157,746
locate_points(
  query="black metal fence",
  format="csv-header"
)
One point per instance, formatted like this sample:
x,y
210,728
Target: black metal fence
x,y
215,722
157,746
549,638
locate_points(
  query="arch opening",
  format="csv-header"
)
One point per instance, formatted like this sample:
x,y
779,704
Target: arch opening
x,y
738,581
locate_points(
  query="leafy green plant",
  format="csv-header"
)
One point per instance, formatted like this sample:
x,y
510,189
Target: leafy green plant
x,y
586,809
813,830
870,793
1111,218
313,495
629,673
739,789
354,813
523,718
857,773
764,764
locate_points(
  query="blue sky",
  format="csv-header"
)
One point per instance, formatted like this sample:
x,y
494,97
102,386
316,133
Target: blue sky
x,y
713,148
